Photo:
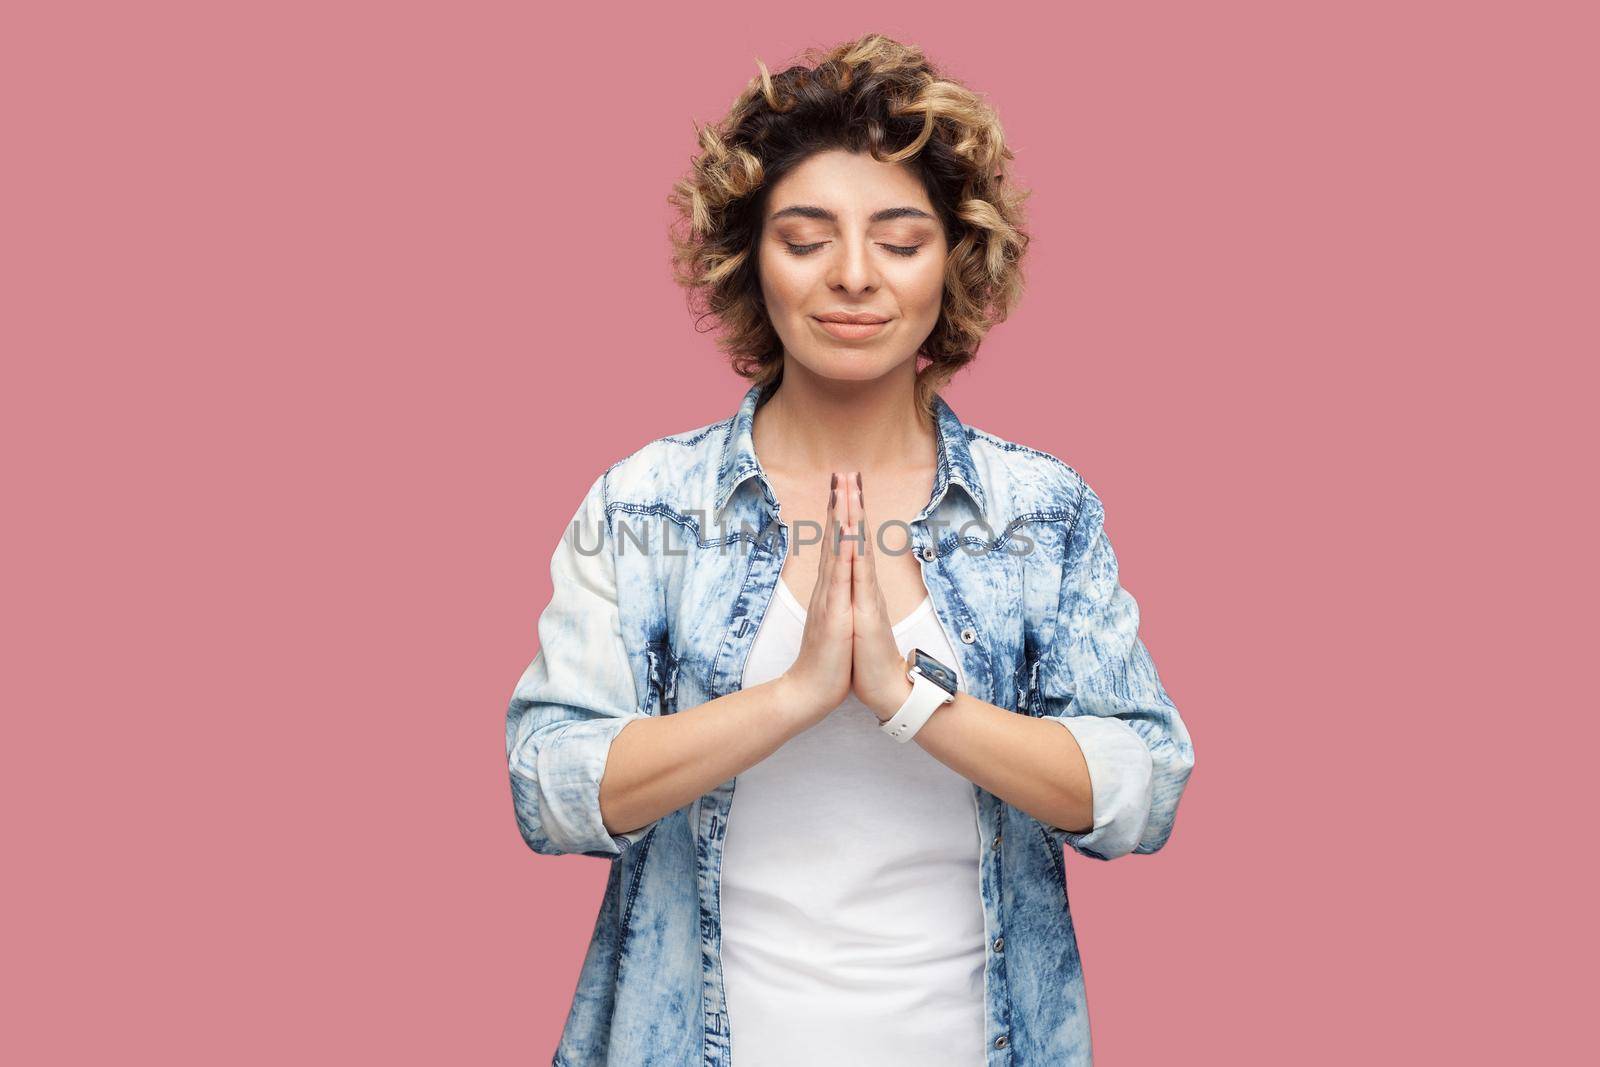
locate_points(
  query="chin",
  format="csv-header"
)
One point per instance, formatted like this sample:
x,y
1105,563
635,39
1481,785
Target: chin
x,y
846,364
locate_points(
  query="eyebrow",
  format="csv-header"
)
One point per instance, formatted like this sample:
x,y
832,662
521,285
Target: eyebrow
x,y
811,211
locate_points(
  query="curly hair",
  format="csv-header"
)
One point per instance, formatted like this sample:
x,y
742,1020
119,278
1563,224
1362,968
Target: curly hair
x,y
875,95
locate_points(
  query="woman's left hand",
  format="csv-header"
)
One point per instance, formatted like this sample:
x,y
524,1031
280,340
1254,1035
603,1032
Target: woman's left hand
x,y
878,674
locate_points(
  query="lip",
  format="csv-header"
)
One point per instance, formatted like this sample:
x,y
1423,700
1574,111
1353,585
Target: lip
x,y
841,327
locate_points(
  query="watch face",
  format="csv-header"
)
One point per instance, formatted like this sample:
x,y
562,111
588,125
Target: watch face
x,y
940,675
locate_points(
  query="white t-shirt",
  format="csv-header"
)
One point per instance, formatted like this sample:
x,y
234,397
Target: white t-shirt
x,y
852,924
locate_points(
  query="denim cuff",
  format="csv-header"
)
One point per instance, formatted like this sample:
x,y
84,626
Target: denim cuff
x,y
1121,775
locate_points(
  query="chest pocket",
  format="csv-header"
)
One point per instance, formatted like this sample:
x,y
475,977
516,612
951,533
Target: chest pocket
x,y
662,672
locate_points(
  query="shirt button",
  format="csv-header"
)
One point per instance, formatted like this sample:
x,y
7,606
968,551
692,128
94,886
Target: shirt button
x,y
969,635
1001,1042
999,944
928,553
996,845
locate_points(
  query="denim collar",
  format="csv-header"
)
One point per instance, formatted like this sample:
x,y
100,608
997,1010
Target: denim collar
x,y
954,454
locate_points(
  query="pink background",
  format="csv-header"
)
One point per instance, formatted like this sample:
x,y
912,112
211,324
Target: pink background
x,y
309,310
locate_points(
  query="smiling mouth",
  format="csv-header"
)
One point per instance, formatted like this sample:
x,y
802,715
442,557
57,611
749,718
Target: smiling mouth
x,y
862,319
851,331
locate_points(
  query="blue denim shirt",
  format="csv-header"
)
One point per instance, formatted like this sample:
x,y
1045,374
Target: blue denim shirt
x,y
659,586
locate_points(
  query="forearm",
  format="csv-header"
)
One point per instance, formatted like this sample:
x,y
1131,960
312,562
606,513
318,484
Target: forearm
x,y
657,765
1032,764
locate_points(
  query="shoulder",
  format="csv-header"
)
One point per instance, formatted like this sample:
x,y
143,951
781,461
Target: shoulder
x,y
678,469
1026,481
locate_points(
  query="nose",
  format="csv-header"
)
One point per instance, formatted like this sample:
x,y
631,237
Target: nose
x,y
852,271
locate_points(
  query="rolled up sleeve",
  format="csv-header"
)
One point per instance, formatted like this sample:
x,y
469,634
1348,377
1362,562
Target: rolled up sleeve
x,y
573,699
1097,679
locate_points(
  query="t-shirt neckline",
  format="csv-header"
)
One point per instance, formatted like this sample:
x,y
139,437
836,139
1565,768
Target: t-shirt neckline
x,y
794,605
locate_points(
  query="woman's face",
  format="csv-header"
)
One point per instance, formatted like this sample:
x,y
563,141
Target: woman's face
x,y
847,235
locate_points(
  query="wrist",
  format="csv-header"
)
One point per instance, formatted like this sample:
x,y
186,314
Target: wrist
x,y
896,700
789,697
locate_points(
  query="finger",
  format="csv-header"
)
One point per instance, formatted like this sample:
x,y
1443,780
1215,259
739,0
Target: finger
x,y
868,605
819,588
876,590
839,574
847,488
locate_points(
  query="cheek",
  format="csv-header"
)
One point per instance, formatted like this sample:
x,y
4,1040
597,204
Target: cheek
x,y
924,287
781,281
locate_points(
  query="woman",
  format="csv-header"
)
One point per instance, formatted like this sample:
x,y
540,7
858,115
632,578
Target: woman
x,y
881,675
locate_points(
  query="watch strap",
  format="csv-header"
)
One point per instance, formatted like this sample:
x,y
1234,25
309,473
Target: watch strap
x,y
925,699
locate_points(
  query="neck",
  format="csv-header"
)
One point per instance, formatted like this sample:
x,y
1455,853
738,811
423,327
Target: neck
x,y
814,423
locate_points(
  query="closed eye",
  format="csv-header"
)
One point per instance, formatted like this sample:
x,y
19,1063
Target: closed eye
x,y
806,250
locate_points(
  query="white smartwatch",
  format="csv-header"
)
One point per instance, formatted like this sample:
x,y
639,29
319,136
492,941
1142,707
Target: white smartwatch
x,y
933,685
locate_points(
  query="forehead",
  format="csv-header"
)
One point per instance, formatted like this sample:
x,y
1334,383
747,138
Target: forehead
x,y
848,183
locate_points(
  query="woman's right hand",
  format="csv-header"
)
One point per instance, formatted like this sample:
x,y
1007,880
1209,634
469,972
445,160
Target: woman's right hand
x,y
819,679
